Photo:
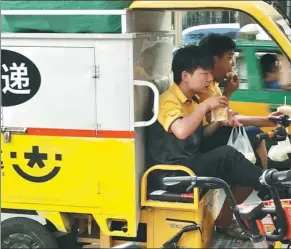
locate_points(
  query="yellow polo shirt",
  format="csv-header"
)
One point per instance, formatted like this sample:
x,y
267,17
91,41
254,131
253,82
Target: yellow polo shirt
x,y
174,105
163,146
212,91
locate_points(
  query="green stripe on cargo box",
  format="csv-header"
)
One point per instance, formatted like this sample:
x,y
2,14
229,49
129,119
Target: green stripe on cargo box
x,y
262,96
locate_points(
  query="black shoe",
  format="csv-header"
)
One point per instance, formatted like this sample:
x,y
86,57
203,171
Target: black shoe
x,y
233,231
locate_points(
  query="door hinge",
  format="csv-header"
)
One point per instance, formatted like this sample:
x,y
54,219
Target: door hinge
x,y
98,128
8,131
96,71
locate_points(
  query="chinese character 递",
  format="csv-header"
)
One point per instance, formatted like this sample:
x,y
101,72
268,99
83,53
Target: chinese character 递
x,y
18,79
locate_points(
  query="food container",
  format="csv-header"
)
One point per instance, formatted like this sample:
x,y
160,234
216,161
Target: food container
x,y
219,114
285,109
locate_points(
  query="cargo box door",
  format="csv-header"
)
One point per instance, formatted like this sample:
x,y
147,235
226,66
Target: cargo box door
x,y
48,87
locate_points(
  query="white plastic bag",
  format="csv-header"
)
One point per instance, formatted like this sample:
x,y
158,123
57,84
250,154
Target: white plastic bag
x,y
280,151
239,140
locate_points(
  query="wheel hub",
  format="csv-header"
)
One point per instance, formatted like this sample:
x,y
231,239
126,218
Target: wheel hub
x,y
20,241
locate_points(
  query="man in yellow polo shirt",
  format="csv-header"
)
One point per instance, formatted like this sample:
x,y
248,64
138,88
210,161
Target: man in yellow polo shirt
x,y
222,48
177,135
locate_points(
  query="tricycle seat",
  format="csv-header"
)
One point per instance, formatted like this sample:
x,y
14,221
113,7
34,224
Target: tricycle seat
x,y
162,195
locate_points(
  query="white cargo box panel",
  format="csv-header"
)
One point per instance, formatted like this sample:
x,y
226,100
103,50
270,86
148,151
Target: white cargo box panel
x,y
53,81
48,87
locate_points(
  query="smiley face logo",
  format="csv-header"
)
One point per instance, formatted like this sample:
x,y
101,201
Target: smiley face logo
x,y
35,158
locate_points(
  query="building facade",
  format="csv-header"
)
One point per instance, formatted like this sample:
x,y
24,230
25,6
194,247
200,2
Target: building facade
x,y
190,19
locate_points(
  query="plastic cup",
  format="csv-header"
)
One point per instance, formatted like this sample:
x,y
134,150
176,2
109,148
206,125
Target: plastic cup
x,y
285,109
219,114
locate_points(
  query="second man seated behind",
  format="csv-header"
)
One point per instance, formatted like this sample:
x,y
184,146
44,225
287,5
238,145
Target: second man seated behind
x,y
222,48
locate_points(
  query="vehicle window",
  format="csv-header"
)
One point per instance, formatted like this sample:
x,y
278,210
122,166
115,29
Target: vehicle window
x,y
241,69
275,71
249,36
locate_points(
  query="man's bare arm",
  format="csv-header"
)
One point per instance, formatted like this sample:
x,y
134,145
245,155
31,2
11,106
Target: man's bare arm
x,y
255,120
208,117
184,127
231,86
210,129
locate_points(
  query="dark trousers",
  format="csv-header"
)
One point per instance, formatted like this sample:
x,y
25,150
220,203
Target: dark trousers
x,y
218,160
228,164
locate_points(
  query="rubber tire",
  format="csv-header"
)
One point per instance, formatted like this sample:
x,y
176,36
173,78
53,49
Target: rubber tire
x,y
29,227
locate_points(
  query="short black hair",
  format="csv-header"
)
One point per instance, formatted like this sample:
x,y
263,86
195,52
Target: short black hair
x,y
189,58
217,44
268,63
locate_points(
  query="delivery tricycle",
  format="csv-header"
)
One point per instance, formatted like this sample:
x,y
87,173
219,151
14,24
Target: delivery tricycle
x,y
75,109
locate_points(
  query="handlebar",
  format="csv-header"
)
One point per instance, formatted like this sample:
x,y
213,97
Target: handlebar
x,y
128,245
280,133
283,120
179,179
270,178
284,176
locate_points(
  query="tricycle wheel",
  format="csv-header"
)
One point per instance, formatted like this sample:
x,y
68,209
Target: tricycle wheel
x,y
20,232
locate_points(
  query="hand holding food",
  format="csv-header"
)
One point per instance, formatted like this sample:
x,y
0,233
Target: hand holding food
x,y
232,82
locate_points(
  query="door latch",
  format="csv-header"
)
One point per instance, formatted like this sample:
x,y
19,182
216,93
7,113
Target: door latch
x,y
8,131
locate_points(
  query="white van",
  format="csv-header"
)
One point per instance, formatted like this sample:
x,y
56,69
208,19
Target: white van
x,y
196,33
